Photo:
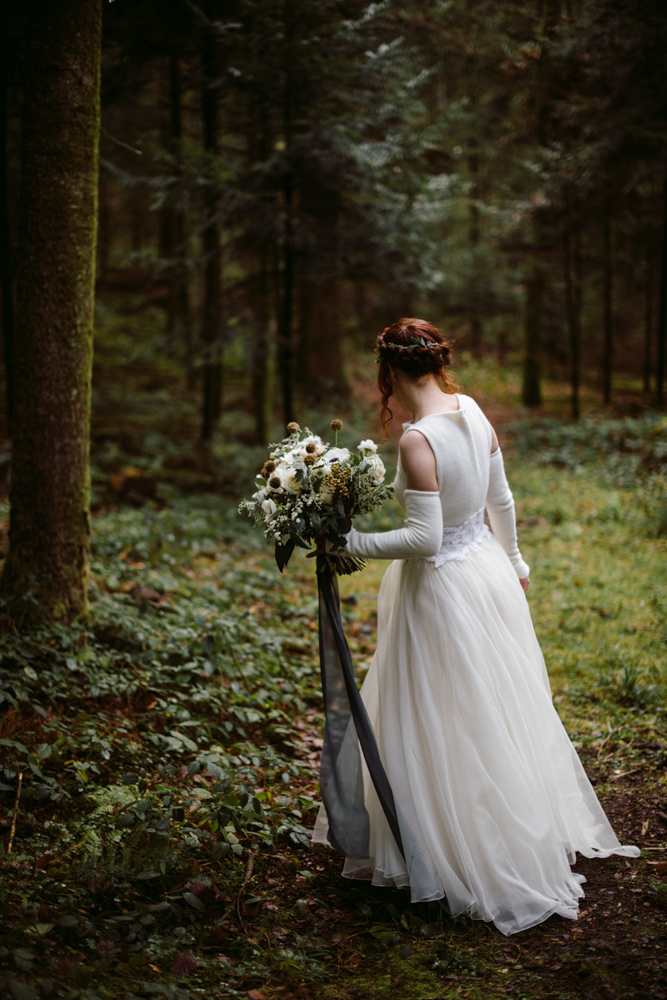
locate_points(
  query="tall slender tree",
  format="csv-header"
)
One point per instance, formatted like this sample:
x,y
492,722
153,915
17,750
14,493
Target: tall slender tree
x,y
6,261
662,315
608,316
214,321
46,572
648,315
572,261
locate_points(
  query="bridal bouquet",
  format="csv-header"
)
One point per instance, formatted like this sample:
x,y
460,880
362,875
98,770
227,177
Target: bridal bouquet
x,y
310,490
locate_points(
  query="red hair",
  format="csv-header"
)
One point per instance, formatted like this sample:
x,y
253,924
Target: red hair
x,y
416,348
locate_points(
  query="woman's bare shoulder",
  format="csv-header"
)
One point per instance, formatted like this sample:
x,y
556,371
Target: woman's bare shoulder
x,y
414,443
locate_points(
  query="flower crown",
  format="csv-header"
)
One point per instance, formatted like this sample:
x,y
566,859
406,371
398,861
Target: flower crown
x,y
418,343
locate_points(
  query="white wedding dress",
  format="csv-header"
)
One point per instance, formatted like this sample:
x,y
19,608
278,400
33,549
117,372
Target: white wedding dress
x,y
492,800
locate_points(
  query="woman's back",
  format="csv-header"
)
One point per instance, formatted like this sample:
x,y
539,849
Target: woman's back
x,y
461,442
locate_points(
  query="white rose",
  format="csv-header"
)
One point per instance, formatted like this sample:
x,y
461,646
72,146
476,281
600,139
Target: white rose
x,y
293,484
269,508
367,445
341,455
377,469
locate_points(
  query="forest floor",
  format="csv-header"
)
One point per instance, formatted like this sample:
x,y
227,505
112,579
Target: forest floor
x,y
160,760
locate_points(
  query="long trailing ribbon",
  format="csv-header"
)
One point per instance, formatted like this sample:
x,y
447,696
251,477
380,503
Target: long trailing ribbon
x,y
347,727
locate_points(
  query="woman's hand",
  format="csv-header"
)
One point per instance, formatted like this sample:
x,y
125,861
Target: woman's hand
x,y
525,583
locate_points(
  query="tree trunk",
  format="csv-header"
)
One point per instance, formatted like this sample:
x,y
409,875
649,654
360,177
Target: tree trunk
x,y
286,308
261,368
531,394
573,288
180,318
662,316
320,352
139,227
648,317
285,319
6,263
213,327
476,329
46,573
608,350
320,357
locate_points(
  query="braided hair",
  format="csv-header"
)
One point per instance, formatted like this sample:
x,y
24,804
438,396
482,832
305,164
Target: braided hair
x,y
415,347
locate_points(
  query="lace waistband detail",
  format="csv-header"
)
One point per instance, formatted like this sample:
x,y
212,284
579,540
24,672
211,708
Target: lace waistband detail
x,y
457,542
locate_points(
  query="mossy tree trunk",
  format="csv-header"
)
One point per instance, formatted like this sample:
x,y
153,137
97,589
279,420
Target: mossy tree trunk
x,y
6,262
50,488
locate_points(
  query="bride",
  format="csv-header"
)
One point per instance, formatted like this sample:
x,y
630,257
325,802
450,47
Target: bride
x,y
492,800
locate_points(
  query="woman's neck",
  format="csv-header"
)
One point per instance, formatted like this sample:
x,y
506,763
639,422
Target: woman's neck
x,y
421,399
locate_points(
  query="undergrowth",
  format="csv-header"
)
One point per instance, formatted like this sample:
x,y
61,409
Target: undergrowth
x,y
159,760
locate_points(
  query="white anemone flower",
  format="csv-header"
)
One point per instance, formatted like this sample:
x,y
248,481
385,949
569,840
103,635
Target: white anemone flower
x,y
312,439
319,471
280,477
341,455
367,445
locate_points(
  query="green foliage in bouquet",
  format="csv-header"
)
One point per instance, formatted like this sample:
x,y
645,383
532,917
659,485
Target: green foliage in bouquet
x,y
309,491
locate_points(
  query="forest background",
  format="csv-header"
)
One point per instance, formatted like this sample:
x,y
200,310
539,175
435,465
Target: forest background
x,y
256,189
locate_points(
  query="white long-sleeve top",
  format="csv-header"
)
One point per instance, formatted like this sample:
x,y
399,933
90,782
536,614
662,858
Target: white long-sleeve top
x,y
469,478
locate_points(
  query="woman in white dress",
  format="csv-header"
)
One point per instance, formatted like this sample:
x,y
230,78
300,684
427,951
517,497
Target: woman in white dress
x,y
492,800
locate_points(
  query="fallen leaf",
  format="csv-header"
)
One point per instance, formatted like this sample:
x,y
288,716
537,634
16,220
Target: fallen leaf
x,y
256,995
184,964
251,906
661,868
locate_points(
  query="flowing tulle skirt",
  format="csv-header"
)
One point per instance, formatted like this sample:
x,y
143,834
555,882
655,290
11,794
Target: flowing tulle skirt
x,y
492,799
